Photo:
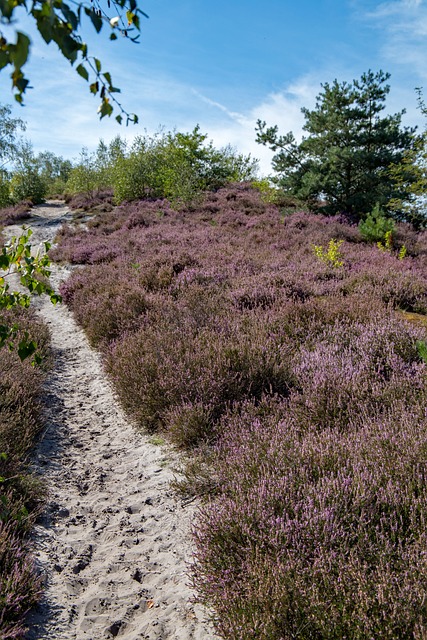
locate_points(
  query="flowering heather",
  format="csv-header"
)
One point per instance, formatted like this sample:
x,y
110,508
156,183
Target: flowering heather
x,y
316,533
98,200
20,494
20,588
297,386
15,213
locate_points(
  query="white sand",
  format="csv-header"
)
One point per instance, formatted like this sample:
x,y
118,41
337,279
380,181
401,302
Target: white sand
x,y
115,543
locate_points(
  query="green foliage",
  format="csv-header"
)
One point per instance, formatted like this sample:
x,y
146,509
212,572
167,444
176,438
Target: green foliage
x,y
29,177
17,257
177,166
402,252
83,176
410,176
58,22
269,192
98,170
26,182
388,242
377,227
330,256
54,172
349,147
27,185
422,350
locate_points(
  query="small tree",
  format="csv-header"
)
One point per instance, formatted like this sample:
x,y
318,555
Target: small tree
x,y
350,145
54,171
83,176
9,139
376,226
26,182
9,149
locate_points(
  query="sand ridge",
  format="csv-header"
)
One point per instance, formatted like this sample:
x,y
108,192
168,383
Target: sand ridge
x,y
115,543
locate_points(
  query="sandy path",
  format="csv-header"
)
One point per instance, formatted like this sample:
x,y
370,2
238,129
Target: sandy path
x,y
115,543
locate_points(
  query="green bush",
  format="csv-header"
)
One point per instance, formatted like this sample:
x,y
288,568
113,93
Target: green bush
x,y
376,225
56,187
84,177
28,185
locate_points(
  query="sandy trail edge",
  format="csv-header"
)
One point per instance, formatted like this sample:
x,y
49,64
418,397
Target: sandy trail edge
x,y
114,544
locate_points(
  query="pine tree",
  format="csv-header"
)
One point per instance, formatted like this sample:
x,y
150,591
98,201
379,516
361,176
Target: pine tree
x,y
349,146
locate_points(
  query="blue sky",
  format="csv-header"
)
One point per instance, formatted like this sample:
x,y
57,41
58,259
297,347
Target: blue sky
x,y
223,65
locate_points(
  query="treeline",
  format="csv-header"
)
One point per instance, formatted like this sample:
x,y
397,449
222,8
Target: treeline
x,y
172,165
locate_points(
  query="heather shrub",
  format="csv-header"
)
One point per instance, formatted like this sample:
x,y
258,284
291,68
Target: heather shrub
x,y
106,302
15,213
315,534
96,200
21,495
20,587
405,291
20,384
90,250
356,372
305,323
184,379
190,424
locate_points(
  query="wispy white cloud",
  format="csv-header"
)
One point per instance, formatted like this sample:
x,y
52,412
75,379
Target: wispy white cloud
x,y
404,7
396,7
233,115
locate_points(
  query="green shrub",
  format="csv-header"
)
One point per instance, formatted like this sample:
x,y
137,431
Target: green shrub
x,y
27,185
56,188
376,226
330,256
83,176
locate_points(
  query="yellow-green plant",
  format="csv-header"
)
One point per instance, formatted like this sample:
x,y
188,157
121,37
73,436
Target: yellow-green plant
x,y
268,192
332,255
402,252
387,245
